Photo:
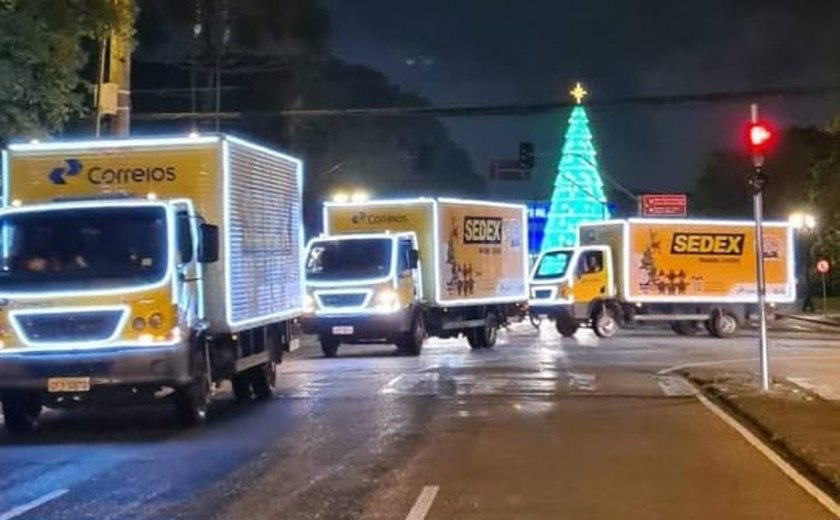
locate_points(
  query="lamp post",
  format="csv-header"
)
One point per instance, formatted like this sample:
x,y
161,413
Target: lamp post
x,y
805,225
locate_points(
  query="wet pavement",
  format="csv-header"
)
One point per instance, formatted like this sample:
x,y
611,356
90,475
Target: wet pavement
x,y
535,428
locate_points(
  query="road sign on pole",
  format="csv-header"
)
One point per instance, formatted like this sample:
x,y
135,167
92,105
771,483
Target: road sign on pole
x,y
823,267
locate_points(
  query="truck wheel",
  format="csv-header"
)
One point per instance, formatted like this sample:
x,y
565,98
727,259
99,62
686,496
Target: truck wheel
x,y
484,337
566,325
685,328
604,322
329,346
724,324
192,401
21,410
263,378
411,342
241,386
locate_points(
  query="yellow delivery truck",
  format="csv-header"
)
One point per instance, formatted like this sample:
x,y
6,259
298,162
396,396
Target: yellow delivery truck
x,y
137,268
685,272
396,270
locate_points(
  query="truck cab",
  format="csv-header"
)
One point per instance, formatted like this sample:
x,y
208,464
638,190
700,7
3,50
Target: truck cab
x,y
362,287
97,293
568,285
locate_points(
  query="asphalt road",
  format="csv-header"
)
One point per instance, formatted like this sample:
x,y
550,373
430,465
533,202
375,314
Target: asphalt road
x,y
535,428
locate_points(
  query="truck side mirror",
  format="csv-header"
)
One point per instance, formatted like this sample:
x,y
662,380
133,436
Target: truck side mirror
x,y
413,259
208,249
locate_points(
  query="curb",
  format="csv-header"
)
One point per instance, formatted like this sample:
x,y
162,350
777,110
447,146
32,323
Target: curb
x,y
816,321
810,478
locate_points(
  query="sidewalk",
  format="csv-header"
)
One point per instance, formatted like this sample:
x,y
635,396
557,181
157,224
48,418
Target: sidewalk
x,y
799,423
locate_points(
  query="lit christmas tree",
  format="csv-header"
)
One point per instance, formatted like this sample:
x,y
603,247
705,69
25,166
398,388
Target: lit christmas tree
x,y
578,191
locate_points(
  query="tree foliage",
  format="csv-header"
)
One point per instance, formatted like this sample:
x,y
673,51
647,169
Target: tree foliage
x,y
42,53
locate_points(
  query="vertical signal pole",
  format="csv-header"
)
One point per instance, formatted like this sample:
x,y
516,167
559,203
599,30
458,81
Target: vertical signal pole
x,y
758,136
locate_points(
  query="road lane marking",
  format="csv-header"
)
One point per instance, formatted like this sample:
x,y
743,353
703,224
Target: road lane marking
x,y
423,504
675,386
389,386
29,506
581,381
791,472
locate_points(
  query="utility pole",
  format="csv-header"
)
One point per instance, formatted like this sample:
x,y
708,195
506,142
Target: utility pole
x,y
120,75
112,95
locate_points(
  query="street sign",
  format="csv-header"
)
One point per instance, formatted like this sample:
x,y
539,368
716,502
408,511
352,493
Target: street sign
x,y
664,205
823,266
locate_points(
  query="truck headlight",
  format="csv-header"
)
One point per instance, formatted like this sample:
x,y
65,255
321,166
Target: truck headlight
x,y
387,300
308,303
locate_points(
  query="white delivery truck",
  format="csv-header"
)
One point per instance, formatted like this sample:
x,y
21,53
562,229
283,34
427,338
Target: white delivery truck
x,y
683,272
396,270
140,267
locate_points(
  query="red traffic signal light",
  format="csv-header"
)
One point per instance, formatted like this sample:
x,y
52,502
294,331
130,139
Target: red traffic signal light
x,y
759,137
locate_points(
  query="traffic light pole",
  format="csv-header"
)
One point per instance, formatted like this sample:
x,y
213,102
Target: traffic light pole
x,y
756,182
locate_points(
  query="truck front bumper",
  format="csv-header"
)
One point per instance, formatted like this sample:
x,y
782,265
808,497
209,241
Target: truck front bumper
x,y
549,309
363,326
112,366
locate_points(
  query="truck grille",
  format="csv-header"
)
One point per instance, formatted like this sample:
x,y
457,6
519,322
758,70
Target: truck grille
x,y
343,300
542,294
69,327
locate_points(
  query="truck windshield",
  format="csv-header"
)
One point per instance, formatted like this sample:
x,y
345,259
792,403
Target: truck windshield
x,y
349,259
553,265
83,248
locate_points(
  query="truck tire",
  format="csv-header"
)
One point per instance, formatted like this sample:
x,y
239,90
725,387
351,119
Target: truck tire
x,y
685,328
21,410
411,342
724,324
329,345
604,321
193,400
486,336
241,386
565,324
262,379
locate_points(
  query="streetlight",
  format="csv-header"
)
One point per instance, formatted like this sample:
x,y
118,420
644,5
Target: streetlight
x,y
805,224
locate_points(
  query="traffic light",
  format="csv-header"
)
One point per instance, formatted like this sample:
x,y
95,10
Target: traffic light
x,y
759,139
526,156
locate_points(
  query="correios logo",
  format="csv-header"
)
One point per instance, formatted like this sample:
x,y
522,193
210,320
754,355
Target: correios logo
x,y
363,217
113,176
71,168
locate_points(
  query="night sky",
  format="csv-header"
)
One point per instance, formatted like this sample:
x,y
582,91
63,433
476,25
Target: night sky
x,y
500,51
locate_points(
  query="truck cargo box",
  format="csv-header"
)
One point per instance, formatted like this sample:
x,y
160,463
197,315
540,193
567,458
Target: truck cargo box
x,y
471,252
253,194
663,260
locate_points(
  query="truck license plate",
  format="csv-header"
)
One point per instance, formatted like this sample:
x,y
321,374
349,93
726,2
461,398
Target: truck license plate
x,y
68,384
342,330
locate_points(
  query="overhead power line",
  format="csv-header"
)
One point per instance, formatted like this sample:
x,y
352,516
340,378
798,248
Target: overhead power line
x,y
507,109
